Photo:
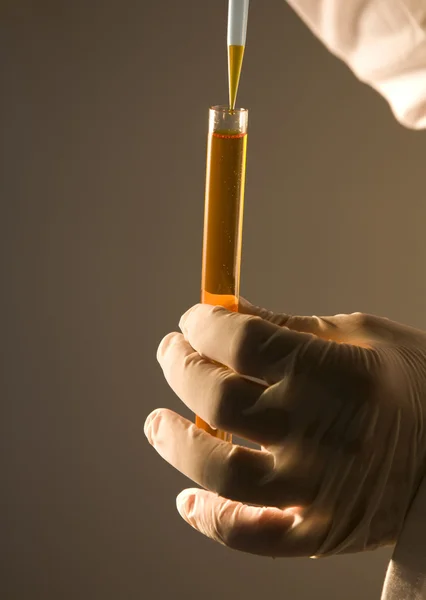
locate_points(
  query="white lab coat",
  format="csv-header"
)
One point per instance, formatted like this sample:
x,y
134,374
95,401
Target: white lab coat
x,y
383,42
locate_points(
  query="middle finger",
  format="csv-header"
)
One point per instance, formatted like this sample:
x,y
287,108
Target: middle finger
x,y
215,393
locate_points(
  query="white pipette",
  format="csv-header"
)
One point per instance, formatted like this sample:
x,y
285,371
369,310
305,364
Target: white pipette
x,y
236,39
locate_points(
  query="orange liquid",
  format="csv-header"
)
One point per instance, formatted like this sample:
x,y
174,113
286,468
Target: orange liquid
x,y
223,220
235,63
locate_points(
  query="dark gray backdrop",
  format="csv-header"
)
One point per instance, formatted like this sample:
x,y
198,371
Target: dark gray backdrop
x,y
103,120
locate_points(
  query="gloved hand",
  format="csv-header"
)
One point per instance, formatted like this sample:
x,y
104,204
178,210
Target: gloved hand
x,y
337,405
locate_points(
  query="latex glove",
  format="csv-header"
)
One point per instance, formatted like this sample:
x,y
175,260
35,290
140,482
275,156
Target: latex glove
x,y
337,407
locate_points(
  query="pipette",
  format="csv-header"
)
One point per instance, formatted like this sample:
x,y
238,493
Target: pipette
x,y
237,31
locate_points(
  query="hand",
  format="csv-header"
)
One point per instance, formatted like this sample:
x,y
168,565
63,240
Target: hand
x,y
337,405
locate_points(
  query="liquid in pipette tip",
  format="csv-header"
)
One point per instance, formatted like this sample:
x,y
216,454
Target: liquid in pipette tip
x,y
235,62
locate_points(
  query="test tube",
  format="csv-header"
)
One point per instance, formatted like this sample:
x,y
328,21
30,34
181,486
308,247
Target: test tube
x,y
223,214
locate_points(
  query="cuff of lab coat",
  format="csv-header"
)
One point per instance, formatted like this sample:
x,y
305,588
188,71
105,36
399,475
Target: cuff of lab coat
x,y
406,95
402,83
406,573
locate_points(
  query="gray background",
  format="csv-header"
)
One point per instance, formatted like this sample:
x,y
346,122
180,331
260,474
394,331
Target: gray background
x,y
103,120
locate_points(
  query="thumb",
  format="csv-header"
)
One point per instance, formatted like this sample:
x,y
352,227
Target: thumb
x,y
360,329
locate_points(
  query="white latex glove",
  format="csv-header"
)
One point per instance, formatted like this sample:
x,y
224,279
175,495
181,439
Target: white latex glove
x,y
382,41
337,407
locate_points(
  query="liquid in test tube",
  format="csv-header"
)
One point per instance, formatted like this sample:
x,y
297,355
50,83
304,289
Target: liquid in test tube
x,y
223,214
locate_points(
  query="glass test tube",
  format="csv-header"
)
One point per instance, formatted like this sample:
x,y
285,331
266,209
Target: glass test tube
x,y
223,214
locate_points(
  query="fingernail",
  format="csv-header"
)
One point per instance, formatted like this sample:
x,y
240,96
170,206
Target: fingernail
x,y
185,504
165,343
160,349
151,425
184,319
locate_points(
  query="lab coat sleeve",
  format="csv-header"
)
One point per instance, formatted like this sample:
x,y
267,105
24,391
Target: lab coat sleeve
x,y
383,42
406,573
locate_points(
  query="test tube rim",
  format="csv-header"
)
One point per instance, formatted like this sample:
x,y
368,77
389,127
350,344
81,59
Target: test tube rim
x,y
226,108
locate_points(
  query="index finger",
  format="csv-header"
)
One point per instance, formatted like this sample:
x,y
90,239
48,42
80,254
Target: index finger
x,y
247,344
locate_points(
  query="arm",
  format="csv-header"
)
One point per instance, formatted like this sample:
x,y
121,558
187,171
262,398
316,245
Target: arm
x,y
383,42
